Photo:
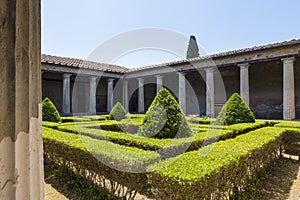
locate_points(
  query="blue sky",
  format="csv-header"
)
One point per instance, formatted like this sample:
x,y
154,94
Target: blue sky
x,y
74,28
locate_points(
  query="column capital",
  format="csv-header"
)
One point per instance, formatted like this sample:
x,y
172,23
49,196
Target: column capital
x,y
141,80
67,75
110,80
181,73
209,70
93,77
288,60
159,76
244,65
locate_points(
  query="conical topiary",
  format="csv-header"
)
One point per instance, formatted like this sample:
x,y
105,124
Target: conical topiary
x,y
50,112
164,118
118,112
235,111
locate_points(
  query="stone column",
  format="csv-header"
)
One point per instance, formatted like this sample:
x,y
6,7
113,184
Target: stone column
x,y
159,82
93,90
181,91
125,95
244,82
210,93
141,108
21,147
66,93
288,89
110,94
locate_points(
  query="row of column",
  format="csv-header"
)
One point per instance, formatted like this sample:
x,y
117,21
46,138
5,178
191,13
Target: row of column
x,y
288,90
288,87
92,95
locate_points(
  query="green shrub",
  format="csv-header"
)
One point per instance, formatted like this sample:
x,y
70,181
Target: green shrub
x,y
235,111
50,112
118,112
164,118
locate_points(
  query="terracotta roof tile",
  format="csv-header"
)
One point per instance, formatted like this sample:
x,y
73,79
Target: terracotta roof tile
x,y
222,54
79,63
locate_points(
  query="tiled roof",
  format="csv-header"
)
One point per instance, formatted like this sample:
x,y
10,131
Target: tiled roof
x,y
79,63
218,55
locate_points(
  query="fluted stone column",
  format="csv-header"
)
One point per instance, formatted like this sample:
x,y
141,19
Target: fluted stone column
x,y
66,93
125,95
93,90
110,94
181,91
244,82
21,147
141,108
210,93
288,89
159,82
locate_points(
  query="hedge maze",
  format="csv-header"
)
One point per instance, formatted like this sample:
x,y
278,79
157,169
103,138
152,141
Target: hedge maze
x,y
214,162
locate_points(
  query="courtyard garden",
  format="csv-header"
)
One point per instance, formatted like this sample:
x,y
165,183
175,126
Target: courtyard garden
x,y
165,154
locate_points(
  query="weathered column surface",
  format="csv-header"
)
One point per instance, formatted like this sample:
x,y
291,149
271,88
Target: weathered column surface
x,y
210,92
21,149
125,95
110,94
141,95
159,82
288,89
66,93
93,90
181,91
244,82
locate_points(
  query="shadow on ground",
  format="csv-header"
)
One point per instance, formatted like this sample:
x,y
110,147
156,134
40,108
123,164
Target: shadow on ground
x,y
277,185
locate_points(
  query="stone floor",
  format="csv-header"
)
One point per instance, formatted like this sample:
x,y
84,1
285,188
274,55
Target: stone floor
x,y
52,194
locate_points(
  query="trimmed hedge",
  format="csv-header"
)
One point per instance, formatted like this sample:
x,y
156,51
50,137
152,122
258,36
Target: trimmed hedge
x,y
166,147
212,168
118,112
93,159
235,111
164,118
49,111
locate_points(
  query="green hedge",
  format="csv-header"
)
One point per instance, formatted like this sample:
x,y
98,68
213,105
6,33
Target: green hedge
x,y
216,171
89,157
49,111
164,118
166,147
118,112
235,111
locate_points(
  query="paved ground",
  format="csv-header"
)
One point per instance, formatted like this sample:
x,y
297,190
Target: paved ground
x,y
52,194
